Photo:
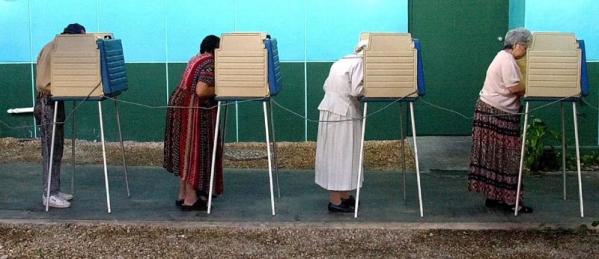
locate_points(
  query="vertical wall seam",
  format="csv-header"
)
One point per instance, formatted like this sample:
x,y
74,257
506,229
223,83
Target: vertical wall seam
x,y
524,15
166,72
98,15
305,70
31,68
235,8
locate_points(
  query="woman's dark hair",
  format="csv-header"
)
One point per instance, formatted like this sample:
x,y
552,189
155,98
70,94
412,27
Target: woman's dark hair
x,y
209,43
74,28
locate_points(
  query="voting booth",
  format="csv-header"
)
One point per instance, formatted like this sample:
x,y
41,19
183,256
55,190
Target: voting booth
x,y
247,65
553,65
393,72
247,68
88,67
554,70
391,65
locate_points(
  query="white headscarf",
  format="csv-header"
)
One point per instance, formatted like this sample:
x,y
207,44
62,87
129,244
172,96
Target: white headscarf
x,y
359,50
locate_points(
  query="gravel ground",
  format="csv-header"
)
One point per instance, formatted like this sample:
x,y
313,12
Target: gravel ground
x,y
124,241
379,155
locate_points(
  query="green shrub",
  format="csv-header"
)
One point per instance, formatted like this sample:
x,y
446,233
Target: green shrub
x,y
537,157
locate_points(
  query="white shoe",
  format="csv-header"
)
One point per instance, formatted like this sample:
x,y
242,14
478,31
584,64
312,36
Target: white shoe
x,y
55,202
65,196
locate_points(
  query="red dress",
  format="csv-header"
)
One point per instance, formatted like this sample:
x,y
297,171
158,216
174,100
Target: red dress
x,y
190,126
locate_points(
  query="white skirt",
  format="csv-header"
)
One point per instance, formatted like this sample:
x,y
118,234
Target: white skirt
x,y
338,152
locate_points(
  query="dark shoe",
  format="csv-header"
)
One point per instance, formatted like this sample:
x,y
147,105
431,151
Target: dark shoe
x,y
523,209
511,208
178,203
342,207
351,201
198,205
491,203
204,195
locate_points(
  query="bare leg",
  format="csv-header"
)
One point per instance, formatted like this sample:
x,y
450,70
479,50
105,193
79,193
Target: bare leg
x,y
181,190
190,195
336,196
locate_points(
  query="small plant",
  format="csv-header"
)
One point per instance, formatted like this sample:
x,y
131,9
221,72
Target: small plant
x,y
589,160
537,157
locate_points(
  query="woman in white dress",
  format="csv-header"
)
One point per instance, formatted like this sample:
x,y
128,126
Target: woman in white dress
x,y
339,131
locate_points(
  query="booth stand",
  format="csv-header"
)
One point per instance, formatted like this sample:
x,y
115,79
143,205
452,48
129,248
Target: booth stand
x,y
393,72
563,131
555,70
247,68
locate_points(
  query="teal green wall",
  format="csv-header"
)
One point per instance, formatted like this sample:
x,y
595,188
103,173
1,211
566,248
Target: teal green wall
x,y
148,87
15,84
459,40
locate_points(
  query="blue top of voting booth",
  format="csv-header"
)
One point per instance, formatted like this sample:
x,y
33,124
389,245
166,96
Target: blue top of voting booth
x,y
420,69
114,72
274,69
584,76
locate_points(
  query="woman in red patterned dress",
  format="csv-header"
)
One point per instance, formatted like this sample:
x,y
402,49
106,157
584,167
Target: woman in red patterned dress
x,y
190,126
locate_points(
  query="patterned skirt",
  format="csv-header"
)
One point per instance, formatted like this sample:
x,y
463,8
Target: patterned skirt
x,y
189,140
495,156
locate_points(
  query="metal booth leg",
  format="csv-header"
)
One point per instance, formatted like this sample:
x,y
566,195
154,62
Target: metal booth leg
x,y
223,127
274,149
51,155
416,157
224,124
403,129
118,123
272,197
563,149
522,153
575,119
216,128
73,138
361,160
104,155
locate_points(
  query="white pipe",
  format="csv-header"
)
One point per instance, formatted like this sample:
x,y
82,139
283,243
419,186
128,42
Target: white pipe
x,y
214,149
575,119
20,110
416,158
272,196
104,157
360,161
522,153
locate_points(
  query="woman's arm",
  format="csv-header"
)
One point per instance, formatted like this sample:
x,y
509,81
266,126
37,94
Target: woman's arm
x,y
204,90
357,80
517,89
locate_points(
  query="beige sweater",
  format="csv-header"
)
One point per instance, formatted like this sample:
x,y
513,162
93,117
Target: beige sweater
x,y
44,70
